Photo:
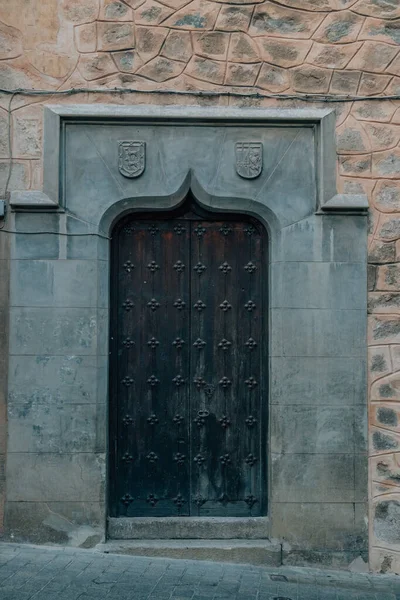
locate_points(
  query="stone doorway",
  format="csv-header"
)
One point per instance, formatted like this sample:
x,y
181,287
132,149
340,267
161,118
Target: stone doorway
x,y
188,363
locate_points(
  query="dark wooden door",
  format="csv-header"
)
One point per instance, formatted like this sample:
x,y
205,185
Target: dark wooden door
x,y
187,377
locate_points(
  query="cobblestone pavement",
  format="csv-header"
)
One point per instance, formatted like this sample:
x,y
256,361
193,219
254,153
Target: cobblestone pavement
x,y
54,573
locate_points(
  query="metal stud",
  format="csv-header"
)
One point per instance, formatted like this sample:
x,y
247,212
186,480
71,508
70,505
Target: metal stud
x,y
199,231
152,419
127,381
199,306
250,500
129,266
127,458
152,499
198,500
153,230
127,420
199,343
224,344
250,305
153,304
128,229
179,458
225,422
250,267
225,306
251,344
225,459
251,421
199,268
201,417
225,230
225,268
250,230
153,343
179,501
251,383
224,499
128,343
199,382
178,343
178,380
128,305
179,266
153,266
178,229
179,304
178,419
126,499
199,459
225,382
153,381
152,457
251,459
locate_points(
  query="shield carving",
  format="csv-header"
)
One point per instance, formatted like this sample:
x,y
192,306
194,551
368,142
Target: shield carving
x,y
131,158
249,159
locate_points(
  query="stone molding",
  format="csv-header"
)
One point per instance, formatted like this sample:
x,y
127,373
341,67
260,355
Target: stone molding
x,y
322,119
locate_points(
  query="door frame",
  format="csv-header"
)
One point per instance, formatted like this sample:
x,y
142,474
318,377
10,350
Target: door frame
x,y
189,205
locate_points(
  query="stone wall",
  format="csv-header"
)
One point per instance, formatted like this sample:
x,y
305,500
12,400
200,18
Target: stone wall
x,y
294,46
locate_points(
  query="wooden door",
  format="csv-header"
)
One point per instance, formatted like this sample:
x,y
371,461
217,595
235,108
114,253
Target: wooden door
x,y
187,375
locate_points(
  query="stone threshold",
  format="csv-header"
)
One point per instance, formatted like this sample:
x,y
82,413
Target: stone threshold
x,y
179,528
253,552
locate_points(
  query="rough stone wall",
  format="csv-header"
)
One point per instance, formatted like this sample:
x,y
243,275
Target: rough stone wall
x,y
286,46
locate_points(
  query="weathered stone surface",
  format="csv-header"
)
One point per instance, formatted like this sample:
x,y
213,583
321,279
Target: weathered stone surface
x,y
10,42
151,13
161,69
355,165
345,82
389,228
384,329
94,66
49,62
243,49
379,362
306,78
386,388
206,69
273,79
19,175
127,61
115,36
86,37
279,21
386,469
386,196
394,67
387,520
284,53
389,9
371,277
386,164
372,84
351,138
178,46
234,18
198,15
381,30
211,45
114,10
80,12
375,111
149,41
384,303
332,56
242,74
27,133
341,27
373,56
382,252
387,415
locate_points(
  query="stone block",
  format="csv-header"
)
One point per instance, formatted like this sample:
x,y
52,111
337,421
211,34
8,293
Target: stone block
x,y
149,41
379,361
114,10
178,46
279,21
381,252
152,13
383,10
332,56
351,138
198,15
243,49
386,164
96,65
52,427
45,379
384,329
339,27
345,82
206,69
385,469
297,429
273,79
389,228
312,478
39,477
355,166
115,36
53,331
84,247
127,61
79,12
372,84
283,53
161,69
386,520
242,74
234,18
386,388
323,332
339,285
316,380
69,283
19,179
383,441
212,45
305,78
374,111
386,195
322,526
10,42
86,37
373,56
79,524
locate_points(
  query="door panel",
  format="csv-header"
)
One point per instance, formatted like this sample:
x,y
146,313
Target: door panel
x,y
187,379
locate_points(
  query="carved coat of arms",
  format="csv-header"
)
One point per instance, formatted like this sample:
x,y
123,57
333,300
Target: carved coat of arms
x,y
249,159
131,158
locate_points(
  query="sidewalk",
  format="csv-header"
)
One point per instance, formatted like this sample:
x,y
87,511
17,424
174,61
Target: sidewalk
x,y
54,573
